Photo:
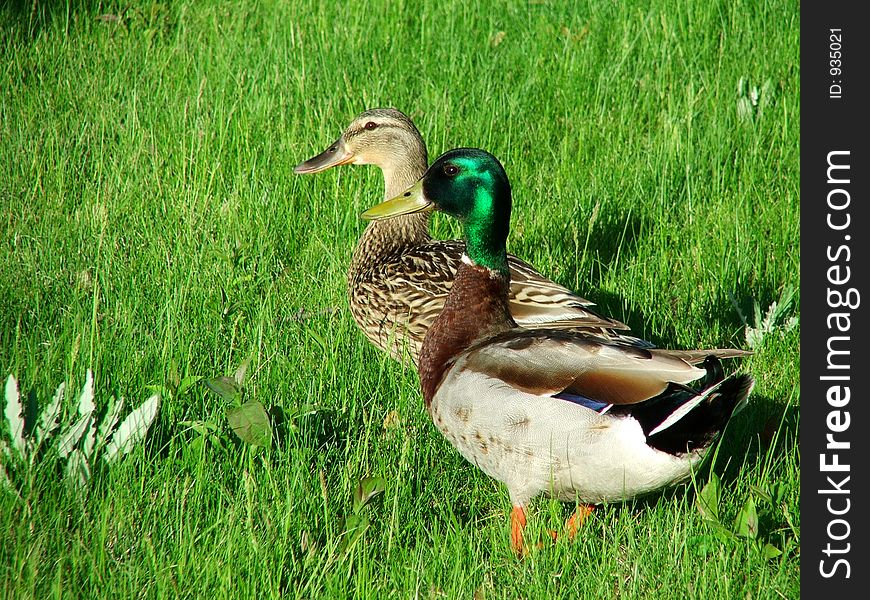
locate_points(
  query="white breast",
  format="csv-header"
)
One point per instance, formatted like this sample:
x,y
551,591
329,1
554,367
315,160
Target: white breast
x,y
536,444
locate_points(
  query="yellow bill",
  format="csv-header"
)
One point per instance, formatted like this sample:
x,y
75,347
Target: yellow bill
x,y
412,200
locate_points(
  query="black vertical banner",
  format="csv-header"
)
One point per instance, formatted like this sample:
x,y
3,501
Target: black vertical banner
x,y
835,301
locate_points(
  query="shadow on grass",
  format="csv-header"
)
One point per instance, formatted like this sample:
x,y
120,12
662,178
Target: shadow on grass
x,y
611,236
28,18
614,238
764,428
723,308
719,314
324,430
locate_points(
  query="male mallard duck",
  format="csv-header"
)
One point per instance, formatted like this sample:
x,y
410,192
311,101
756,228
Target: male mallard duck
x,y
555,411
399,277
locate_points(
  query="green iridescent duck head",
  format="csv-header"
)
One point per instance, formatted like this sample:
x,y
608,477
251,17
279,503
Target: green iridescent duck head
x,y
470,185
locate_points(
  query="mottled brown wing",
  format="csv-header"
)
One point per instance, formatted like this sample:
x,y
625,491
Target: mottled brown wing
x,y
535,301
397,301
539,302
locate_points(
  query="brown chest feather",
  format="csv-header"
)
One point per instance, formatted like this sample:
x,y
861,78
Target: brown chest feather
x,y
476,308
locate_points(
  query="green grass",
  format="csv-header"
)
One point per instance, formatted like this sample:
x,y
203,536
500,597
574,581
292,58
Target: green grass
x,y
152,228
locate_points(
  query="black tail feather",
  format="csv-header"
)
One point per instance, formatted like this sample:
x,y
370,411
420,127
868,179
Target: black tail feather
x,y
700,427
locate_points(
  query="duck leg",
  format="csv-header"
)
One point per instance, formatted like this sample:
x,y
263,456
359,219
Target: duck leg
x,y
573,523
577,519
518,523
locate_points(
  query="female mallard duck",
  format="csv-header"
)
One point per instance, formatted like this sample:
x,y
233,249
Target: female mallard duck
x,y
399,277
557,411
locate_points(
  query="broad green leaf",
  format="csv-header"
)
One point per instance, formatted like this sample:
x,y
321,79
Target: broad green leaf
x,y
239,375
707,499
317,338
90,439
759,321
760,492
722,533
744,109
133,429
201,427
778,491
78,471
196,444
49,421
15,416
172,377
746,522
367,489
251,423
187,383
225,387
159,389
72,435
113,413
354,527
770,551
779,310
291,415
86,398
354,522
737,308
303,410
31,409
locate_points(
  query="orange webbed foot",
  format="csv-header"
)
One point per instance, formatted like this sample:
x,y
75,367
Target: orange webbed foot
x,y
518,524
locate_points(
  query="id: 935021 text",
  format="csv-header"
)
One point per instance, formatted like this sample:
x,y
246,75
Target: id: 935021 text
x,y
835,63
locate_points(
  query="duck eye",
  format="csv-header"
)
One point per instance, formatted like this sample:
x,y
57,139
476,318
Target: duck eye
x,y
371,125
450,170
